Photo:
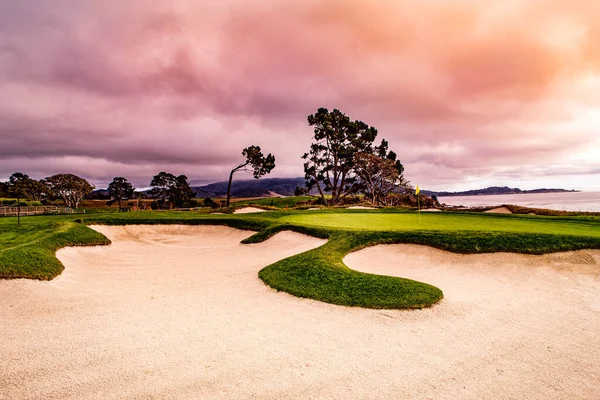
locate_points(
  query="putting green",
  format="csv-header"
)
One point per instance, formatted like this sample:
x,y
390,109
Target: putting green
x,y
448,222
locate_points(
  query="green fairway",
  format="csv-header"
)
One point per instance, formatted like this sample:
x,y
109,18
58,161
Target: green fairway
x,y
28,250
448,222
278,202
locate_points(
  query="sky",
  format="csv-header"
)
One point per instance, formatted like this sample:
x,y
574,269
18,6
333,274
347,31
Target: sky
x,y
468,93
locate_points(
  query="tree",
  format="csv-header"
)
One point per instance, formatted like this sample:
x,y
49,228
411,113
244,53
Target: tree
x,y
378,177
162,185
182,194
120,189
17,185
3,189
38,190
330,162
71,188
17,188
172,191
255,161
379,173
300,191
28,188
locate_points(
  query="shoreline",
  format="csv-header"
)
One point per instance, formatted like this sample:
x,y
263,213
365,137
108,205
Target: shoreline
x,y
579,202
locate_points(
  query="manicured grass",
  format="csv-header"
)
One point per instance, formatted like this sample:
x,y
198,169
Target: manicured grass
x,y
320,274
449,222
278,202
29,250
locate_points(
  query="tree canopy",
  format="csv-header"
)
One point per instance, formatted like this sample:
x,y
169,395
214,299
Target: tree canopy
x,y
343,160
22,185
71,188
172,191
120,189
255,162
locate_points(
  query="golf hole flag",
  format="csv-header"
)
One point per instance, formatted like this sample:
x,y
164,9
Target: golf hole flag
x,y
417,191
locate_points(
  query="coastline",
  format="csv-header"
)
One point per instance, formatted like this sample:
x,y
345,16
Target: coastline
x,y
583,201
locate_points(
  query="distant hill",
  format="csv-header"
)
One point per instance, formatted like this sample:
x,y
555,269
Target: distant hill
x,y
494,190
286,187
251,188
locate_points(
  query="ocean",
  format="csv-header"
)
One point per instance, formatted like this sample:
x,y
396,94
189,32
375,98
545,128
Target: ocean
x,y
566,201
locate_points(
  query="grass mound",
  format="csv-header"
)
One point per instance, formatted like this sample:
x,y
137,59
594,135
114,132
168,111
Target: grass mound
x,y
320,274
36,258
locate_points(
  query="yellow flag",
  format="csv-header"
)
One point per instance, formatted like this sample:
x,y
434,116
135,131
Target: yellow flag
x,y
417,191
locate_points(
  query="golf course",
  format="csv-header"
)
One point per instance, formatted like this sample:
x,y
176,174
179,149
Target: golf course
x,y
28,250
261,302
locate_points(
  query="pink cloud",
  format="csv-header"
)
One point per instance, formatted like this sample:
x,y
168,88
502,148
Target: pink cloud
x,y
462,86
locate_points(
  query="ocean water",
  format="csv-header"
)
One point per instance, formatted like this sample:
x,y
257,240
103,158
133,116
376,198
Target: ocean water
x,y
569,201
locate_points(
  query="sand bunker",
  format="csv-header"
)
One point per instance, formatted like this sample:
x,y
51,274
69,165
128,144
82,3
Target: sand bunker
x,y
360,208
499,210
247,210
509,326
179,312
431,210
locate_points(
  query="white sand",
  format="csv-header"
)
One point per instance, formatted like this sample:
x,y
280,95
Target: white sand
x,y
499,210
431,210
360,208
179,312
247,210
510,326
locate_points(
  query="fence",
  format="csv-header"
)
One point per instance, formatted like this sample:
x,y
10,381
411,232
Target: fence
x,y
13,211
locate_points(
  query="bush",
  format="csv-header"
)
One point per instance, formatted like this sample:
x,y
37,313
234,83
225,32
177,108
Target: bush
x,y
208,202
13,203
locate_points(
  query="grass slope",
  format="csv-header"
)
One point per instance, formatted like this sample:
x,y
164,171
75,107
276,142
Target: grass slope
x,y
320,274
29,250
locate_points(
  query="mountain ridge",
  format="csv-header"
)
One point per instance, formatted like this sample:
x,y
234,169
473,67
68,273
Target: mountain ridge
x,y
269,187
495,190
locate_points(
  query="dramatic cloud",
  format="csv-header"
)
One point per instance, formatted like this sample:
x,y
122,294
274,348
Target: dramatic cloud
x,y
467,93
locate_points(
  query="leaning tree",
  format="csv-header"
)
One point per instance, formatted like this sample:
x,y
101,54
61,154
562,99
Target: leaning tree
x,y
71,188
255,162
120,189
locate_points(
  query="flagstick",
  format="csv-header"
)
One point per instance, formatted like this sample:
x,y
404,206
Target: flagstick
x,y
419,205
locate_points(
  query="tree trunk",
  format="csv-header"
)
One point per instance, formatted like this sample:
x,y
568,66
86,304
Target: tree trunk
x,y
320,190
229,186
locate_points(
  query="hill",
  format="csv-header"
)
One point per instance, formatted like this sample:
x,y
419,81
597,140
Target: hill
x,y
251,188
494,190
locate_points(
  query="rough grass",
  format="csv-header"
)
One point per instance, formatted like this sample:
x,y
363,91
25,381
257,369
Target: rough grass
x,y
28,251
